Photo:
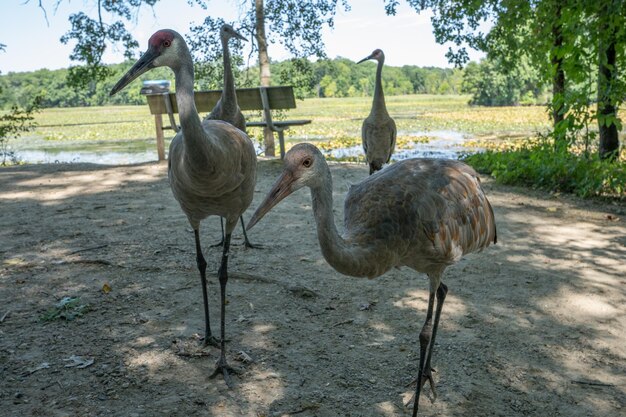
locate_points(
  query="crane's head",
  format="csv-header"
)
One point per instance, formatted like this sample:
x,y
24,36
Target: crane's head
x,y
304,166
227,32
164,49
378,55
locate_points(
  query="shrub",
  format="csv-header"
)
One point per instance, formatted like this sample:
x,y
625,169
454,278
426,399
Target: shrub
x,y
540,165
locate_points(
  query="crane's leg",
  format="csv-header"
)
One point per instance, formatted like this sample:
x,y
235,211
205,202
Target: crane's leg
x,y
427,342
222,365
245,236
208,337
221,242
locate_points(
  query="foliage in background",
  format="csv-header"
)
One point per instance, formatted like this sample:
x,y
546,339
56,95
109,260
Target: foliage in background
x,y
339,77
92,36
493,84
15,122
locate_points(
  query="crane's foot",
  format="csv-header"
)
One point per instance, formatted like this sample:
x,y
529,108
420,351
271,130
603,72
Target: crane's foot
x,y
249,245
218,244
222,367
427,376
211,341
246,244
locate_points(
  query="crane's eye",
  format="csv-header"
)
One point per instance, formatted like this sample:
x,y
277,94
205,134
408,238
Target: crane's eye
x,y
167,43
307,162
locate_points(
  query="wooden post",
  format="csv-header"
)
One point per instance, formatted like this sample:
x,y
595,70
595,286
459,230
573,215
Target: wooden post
x,y
160,141
281,139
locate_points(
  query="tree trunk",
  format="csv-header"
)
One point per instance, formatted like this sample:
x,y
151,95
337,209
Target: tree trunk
x,y
607,78
558,77
264,64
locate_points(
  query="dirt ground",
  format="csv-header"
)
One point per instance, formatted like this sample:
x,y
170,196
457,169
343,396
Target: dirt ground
x,y
534,326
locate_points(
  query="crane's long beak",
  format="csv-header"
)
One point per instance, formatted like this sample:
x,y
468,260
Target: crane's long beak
x,y
240,36
144,64
281,189
365,59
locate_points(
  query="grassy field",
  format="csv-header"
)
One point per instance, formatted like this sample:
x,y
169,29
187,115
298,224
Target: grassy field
x,y
336,121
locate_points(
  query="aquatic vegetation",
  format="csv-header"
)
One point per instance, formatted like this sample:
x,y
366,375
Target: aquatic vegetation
x,y
336,124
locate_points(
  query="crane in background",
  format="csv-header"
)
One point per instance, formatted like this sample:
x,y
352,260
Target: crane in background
x,y
378,131
227,108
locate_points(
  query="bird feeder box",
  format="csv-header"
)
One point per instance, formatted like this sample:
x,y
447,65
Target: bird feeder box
x,y
155,87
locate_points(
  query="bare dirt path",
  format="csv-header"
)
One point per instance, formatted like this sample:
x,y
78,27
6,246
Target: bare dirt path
x,y
534,326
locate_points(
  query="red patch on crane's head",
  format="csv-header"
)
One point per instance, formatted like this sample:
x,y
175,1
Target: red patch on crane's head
x,y
161,38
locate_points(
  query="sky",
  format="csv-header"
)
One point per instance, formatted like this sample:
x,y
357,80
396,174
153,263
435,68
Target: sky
x,y
32,44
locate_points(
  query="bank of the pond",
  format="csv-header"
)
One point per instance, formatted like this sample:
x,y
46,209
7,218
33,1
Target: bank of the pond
x,y
435,144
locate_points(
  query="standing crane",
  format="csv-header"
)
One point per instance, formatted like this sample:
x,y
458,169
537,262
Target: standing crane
x,y
379,130
421,213
227,108
211,166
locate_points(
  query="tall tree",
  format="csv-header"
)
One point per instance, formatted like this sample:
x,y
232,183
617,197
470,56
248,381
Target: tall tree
x,y
261,38
558,36
264,68
558,73
611,34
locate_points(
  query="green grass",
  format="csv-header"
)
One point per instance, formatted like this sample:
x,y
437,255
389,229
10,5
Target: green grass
x,y
94,123
335,120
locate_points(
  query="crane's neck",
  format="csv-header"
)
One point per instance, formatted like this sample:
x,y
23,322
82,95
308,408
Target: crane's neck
x,y
188,113
229,94
345,257
379,97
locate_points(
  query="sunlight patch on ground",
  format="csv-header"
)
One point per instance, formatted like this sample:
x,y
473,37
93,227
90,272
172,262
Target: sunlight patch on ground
x,y
259,337
143,341
585,306
152,360
388,409
264,328
79,183
570,234
579,369
418,301
385,333
261,387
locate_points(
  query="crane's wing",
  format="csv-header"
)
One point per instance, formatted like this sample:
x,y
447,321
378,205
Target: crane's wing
x,y
222,168
379,139
430,206
365,128
393,131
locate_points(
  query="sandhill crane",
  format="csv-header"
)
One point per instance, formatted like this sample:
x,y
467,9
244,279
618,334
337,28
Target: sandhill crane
x,y
421,213
379,130
227,108
211,166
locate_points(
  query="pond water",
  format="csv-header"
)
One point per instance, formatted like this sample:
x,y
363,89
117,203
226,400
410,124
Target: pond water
x,y
107,153
442,144
448,144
